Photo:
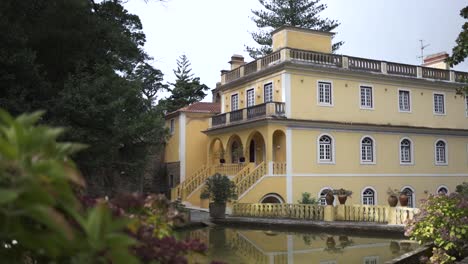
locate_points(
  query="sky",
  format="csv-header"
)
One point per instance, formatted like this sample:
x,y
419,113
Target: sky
x,y
209,32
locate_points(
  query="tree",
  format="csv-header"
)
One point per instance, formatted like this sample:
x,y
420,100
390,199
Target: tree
x,y
186,89
460,51
297,13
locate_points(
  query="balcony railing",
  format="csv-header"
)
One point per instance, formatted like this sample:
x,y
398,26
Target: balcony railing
x,y
270,109
343,62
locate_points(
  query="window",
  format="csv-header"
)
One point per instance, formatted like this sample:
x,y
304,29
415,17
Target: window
x,y
325,149
410,193
442,190
367,150
250,97
404,101
234,102
405,151
439,104
324,93
368,197
366,97
440,152
268,90
172,126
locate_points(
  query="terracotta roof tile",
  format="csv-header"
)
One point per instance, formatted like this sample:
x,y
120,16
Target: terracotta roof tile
x,y
201,107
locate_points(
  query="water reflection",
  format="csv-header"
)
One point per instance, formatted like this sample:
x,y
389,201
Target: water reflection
x,y
272,247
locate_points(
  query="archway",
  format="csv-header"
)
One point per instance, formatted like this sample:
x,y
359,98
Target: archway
x,y
256,147
234,149
272,198
217,151
279,146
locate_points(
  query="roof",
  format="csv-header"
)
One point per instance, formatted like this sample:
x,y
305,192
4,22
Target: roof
x,y
294,28
199,107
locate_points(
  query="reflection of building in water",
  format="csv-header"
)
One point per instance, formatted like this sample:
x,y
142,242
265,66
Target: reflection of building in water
x,y
200,234
280,248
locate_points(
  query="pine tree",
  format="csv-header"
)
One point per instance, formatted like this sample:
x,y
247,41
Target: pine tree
x,y
186,90
298,13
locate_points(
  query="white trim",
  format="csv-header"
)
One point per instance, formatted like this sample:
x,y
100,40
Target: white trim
x,y
442,186
410,100
331,93
446,153
272,91
238,103
289,172
182,146
375,194
333,161
272,195
247,97
372,98
290,243
411,151
374,149
413,195
320,192
286,90
433,103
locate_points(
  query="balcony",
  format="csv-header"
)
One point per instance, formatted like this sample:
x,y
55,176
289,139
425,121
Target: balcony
x,y
271,109
343,62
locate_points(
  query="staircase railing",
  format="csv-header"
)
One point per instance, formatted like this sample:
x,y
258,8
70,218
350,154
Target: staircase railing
x,y
246,182
227,169
243,173
188,186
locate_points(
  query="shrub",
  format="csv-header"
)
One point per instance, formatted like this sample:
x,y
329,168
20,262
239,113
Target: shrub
x,y
462,189
219,188
306,199
442,220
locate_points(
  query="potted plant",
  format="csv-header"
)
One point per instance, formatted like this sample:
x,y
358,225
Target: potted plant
x,y
403,198
221,157
329,197
306,199
342,195
392,197
219,189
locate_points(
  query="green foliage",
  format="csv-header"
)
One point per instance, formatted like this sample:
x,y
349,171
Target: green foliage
x,y
460,51
186,89
219,188
83,61
297,13
306,199
40,217
442,221
462,189
342,192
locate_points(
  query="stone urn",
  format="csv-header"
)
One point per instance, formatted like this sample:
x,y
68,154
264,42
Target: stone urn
x,y
403,199
218,210
222,161
392,200
331,242
342,198
329,198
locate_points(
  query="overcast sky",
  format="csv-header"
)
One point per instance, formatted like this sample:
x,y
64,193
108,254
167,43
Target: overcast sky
x,y
210,31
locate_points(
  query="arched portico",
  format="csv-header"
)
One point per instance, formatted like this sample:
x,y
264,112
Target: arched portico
x,y
235,149
216,151
279,146
255,148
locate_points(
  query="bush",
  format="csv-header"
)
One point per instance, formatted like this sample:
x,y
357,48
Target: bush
x,y
306,199
442,220
219,188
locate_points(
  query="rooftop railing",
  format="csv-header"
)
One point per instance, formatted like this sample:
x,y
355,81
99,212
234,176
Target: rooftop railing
x,y
343,62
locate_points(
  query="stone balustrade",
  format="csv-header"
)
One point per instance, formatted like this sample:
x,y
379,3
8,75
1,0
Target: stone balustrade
x,y
270,109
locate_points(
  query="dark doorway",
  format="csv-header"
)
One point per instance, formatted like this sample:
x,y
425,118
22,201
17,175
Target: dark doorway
x,y
252,151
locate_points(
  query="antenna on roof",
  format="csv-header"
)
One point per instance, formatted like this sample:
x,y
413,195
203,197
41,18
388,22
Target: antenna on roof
x,y
422,50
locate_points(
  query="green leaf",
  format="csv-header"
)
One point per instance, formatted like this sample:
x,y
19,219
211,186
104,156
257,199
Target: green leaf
x,y
7,195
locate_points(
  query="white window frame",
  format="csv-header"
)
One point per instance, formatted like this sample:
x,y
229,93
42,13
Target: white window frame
x,y
442,186
436,162
332,149
365,107
411,151
247,97
237,104
413,195
374,154
410,101
172,126
265,85
332,101
375,194
443,102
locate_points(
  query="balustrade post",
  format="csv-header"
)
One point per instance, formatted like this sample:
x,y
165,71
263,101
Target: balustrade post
x,y
345,61
270,168
419,72
241,71
244,114
383,66
340,212
259,64
391,216
285,55
329,213
228,118
452,76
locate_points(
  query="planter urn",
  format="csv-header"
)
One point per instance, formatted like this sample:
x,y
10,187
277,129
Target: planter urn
x,y
222,161
342,199
329,198
217,210
242,159
392,200
403,199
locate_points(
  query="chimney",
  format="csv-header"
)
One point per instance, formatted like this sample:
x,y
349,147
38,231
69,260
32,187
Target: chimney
x,y
437,61
236,61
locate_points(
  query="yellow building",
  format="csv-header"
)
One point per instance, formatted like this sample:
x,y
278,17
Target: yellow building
x,y
306,119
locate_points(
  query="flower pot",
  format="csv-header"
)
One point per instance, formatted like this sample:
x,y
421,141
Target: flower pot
x,y
329,198
392,200
403,199
218,210
342,199
331,242
222,161
242,159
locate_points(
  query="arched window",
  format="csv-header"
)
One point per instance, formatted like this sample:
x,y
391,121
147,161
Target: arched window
x,y
235,149
271,198
442,190
367,150
410,193
368,197
325,149
406,151
440,152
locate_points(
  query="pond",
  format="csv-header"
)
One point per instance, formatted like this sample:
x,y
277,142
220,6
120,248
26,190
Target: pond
x,y
238,245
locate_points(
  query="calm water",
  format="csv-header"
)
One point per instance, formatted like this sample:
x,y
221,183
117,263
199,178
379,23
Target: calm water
x,y
270,247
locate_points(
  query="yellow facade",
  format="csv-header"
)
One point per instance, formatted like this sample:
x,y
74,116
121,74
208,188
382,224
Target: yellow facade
x,y
388,125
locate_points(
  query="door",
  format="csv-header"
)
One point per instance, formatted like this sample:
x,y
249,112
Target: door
x,y
252,151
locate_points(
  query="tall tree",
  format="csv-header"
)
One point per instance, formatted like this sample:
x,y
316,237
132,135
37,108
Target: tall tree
x,y
460,51
186,90
298,13
83,62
